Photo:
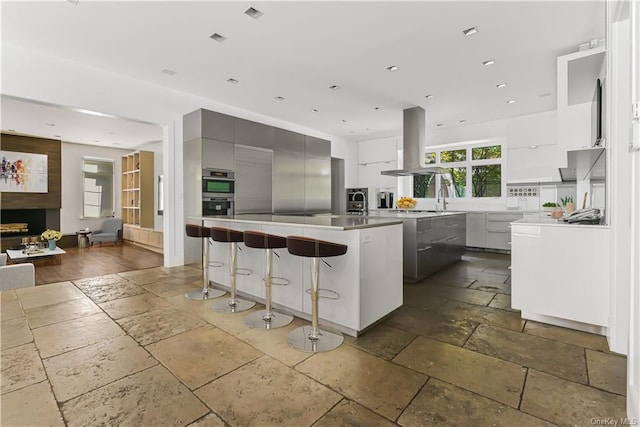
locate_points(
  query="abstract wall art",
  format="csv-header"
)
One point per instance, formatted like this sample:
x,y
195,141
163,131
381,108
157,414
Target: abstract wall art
x,y
23,172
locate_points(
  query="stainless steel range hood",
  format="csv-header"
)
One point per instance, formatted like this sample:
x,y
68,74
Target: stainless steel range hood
x,y
413,143
585,164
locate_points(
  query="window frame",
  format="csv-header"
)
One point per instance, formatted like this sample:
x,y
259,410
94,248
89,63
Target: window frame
x,y
84,189
469,164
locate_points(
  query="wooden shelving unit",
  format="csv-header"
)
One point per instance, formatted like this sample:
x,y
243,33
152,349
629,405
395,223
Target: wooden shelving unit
x,y
137,189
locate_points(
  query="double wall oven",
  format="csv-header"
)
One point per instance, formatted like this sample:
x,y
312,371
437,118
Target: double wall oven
x,y
218,189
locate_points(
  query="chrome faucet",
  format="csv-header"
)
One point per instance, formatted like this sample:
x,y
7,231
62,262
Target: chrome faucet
x,y
444,199
365,207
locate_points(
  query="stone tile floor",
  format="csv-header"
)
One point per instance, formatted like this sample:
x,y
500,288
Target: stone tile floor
x,y
129,349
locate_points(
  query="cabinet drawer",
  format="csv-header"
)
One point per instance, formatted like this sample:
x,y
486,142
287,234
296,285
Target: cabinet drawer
x,y
498,240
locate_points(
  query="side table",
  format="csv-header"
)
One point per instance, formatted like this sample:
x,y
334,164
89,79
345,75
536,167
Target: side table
x,y
83,238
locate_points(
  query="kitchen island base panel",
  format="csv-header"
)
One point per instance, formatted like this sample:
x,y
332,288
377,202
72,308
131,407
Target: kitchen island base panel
x,y
564,323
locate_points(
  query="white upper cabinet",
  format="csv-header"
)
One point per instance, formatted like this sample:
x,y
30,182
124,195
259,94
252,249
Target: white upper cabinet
x,y
578,73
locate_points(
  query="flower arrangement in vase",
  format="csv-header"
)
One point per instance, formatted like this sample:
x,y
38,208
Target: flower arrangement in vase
x,y
52,236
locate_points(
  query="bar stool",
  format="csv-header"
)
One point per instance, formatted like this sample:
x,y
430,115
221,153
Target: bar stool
x,y
266,319
203,233
312,338
232,304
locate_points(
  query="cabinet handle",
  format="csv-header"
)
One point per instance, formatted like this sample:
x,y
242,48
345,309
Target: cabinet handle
x,y
424,249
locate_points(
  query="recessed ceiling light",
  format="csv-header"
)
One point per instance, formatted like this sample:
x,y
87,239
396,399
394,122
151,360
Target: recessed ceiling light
x,y
233,81
253,12
533,147
334,87
511,101
377,108
95,140
367,129
428,96
11,130
470,31
462,121
542,95
168,72
343,121
352,131
439,124
488,62
280,98
501,85
218,37
50,124
117,143
57,136
313,110
393,68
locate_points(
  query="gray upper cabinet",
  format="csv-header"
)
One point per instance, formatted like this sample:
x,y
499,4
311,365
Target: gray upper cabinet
x,y
253,134
218,154
317,147
285,140
217,126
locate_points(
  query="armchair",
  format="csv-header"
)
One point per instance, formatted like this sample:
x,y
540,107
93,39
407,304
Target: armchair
x,y
16,276
110,231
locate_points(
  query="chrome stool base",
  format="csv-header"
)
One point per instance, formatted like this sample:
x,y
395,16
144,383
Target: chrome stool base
x,y
200,295
258,320
226,306
327,341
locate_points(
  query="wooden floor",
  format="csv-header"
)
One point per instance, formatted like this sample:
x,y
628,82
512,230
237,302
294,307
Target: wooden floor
x,y
80,263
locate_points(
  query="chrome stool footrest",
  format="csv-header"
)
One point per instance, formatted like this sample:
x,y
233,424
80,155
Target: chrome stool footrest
x,y
279,281
244,272
216,264
332,294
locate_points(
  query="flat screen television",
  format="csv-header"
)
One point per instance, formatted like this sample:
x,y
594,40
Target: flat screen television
x,y
596,116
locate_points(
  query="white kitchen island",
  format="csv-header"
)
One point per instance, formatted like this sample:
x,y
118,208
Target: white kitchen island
x,y
367,279
560,272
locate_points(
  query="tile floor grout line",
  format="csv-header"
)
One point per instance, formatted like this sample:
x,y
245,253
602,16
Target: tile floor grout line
x,y
469,337
524,385
415,396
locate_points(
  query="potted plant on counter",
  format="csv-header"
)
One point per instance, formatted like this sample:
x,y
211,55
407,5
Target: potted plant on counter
x,y
568,204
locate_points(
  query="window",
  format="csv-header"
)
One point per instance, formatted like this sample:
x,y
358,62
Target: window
x,y
97,192
475,166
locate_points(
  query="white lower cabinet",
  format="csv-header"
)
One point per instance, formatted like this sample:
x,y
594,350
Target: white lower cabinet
x,y
559,274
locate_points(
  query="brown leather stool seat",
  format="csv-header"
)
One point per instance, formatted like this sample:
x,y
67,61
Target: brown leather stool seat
x,y
267,319
220,234
313,338
314,248
203,233
233,304
256,239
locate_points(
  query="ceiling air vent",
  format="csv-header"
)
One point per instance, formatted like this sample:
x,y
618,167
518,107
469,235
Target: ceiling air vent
x,y
254,13
217,37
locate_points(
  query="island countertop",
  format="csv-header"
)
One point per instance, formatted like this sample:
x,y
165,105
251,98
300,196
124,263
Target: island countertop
x,y
332,222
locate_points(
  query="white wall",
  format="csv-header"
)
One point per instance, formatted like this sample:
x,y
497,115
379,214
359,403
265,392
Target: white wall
x,y
36,75
71,212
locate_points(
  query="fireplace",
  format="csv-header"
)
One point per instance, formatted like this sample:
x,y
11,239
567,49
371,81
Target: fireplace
x,y
22,222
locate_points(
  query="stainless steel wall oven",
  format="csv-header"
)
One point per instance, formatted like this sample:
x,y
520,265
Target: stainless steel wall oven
x,y
218,189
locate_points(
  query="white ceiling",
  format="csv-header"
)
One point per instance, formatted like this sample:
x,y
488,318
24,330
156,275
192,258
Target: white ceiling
x,y
296,50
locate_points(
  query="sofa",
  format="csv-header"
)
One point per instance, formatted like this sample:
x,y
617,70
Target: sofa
x,y
110,232
16,276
